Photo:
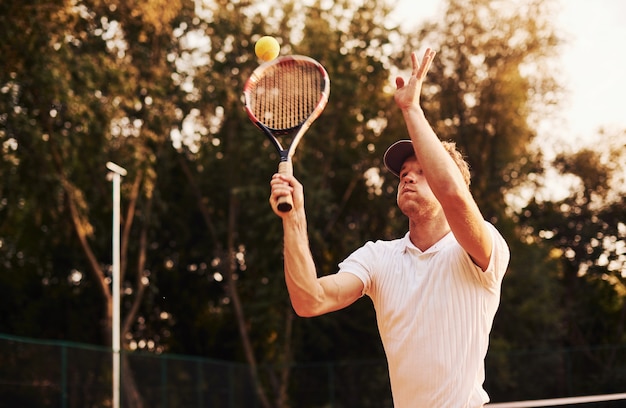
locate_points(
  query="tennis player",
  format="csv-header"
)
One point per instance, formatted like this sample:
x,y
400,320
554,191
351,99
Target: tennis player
x,y
437,289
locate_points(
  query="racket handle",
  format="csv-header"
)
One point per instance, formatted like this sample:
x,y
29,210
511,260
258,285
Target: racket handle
x,y
285,203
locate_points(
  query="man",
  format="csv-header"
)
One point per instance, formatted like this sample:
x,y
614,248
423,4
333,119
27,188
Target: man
x,y
436,290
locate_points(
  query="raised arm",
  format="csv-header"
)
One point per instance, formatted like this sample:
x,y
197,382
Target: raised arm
x,y
443,176
310,295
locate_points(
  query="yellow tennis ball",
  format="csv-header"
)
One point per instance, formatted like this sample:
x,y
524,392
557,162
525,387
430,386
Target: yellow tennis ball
x,y
267,48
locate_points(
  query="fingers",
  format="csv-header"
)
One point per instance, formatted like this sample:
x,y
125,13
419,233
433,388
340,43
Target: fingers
x,y
420,70
416,64
281,185
429,56
408,92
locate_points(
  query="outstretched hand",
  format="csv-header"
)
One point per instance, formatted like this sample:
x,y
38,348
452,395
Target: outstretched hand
x,y
408,94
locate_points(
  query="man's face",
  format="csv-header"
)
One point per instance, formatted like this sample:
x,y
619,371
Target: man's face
x,y
414,193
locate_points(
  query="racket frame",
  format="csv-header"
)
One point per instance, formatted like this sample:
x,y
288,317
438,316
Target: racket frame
x,y
285,165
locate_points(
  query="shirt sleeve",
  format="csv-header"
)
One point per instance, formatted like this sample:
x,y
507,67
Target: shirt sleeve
x,y
499,260
360,263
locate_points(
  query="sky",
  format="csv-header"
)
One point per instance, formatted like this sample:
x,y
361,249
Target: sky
x,y
593,61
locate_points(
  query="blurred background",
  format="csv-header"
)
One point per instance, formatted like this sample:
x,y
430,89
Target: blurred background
x,y
527,89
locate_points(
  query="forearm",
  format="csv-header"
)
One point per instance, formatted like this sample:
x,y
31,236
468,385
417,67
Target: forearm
x,y
442,173
450,188
300,272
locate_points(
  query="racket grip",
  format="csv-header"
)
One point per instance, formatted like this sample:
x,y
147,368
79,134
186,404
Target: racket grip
x,y
285,203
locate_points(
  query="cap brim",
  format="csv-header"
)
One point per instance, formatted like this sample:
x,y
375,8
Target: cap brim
x,y
396,154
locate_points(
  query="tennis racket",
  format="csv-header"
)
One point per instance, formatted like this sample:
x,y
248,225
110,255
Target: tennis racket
x,y
282,98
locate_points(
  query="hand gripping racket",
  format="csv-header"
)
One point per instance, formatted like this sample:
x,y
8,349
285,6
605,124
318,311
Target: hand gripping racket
x,y
282,98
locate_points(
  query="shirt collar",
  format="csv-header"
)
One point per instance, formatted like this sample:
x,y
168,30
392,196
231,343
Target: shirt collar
x,y
436,247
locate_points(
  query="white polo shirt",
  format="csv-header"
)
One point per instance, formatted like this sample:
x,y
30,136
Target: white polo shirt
x,y
434,311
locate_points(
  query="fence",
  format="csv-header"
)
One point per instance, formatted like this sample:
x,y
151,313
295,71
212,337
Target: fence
x,y
35,373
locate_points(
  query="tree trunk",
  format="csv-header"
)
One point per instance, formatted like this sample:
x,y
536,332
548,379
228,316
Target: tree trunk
x,y
231,286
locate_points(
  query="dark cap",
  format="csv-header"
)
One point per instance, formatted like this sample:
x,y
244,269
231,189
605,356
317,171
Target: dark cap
x,y
396,154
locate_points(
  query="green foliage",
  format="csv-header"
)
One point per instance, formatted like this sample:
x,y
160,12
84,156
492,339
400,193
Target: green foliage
x,y
586,230
489,79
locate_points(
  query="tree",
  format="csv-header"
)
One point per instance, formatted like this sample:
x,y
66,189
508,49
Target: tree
x,y
52,122
77,95
490,81
587,231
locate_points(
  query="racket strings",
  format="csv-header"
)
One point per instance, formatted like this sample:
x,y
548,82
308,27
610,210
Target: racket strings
x,y
285,97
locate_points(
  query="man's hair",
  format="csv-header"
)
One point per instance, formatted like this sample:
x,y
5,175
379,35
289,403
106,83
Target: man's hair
x,y
458,159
